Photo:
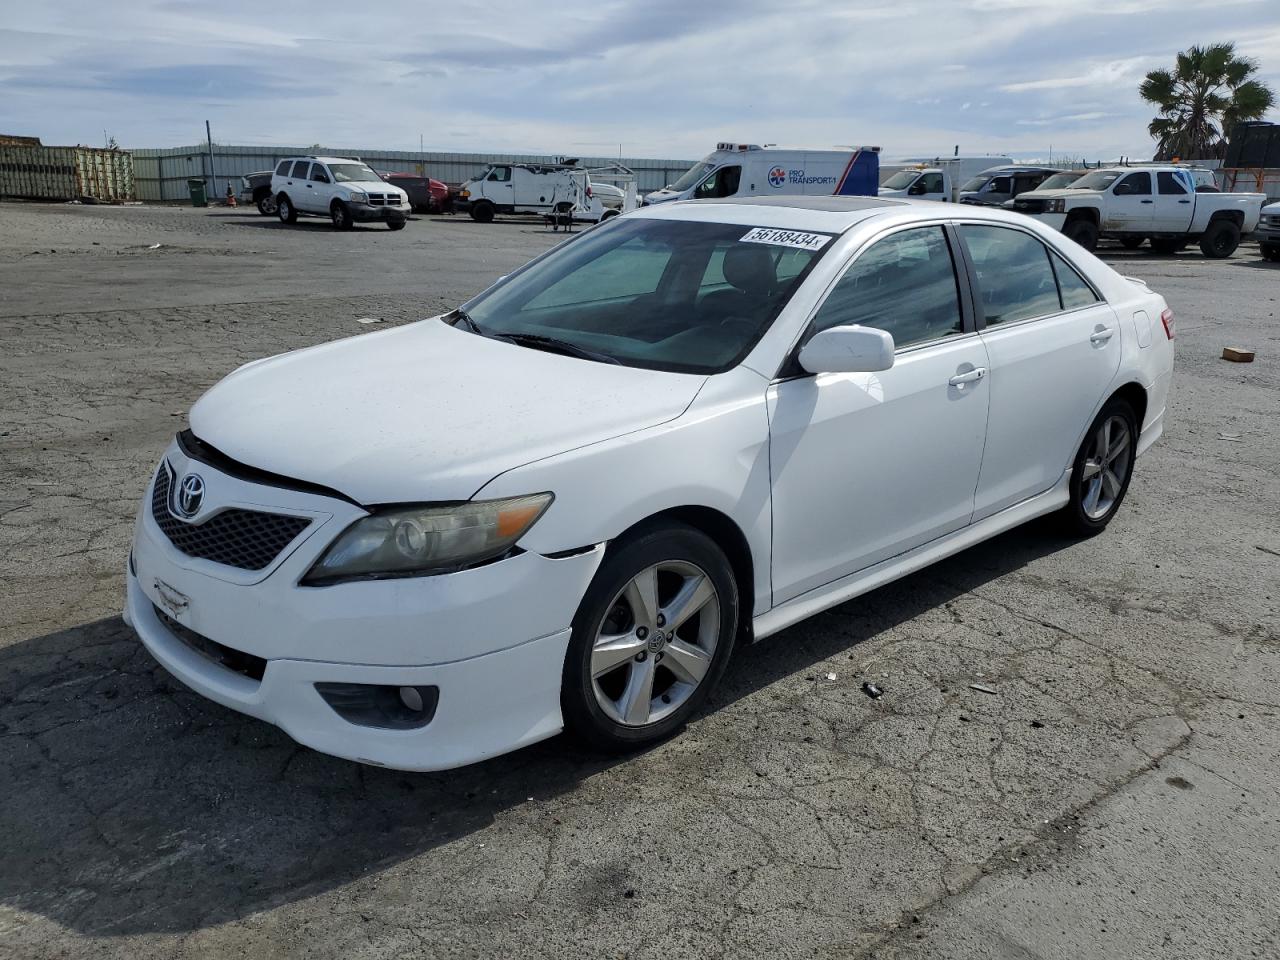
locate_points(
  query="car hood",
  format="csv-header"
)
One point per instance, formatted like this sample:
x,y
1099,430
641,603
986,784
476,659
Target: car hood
x,y
377,186
1064,194
425,411
662,196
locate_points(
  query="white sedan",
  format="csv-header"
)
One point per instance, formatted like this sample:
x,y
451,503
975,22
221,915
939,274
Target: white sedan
x,y
565,503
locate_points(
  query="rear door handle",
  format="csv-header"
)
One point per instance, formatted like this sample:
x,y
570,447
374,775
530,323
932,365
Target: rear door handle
x,y
977,373
1148,201
1101,336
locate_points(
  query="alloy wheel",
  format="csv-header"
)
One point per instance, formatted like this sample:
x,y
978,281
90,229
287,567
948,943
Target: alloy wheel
x,y
656,643
1106,466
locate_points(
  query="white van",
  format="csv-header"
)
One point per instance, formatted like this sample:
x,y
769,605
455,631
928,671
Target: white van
x,y
546,188
749,170
937,179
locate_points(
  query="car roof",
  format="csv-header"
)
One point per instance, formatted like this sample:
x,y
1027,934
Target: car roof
x,y
827,214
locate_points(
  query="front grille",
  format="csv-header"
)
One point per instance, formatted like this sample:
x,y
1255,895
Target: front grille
x,y
1029,206
237,661
247,539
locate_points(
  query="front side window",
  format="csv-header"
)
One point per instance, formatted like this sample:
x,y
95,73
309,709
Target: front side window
x,y
318,173
723,183
1134,185
499,174
662,294
932,183
999,185
1015,280
905,284
300,169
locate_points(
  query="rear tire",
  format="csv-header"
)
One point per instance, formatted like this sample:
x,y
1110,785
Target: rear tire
x,y
1220,240
1102,470
285,210
340,215
1132,243
639,663
482,212
1083,232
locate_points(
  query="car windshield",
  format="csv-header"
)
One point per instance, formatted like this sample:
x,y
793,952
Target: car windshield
x,y
346,172
1060,181
1098,180
693,175
901,180
977,183
663,294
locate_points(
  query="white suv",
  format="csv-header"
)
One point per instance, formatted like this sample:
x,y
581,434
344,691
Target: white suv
x,y
343,190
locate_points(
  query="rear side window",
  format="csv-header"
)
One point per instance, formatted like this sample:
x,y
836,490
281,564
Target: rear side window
x,y
1015,280
1074,291
1168,183
905,284
300,169
282,168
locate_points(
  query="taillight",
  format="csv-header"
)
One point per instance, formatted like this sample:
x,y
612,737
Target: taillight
x,y
1167,319
588,193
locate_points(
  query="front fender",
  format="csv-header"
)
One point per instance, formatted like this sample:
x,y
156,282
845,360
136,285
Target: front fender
x,y
715,455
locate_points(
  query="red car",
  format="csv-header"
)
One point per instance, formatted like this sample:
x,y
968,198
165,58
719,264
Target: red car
x,y
425,194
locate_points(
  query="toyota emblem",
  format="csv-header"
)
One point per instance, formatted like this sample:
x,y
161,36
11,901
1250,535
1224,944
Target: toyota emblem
x,y
190,494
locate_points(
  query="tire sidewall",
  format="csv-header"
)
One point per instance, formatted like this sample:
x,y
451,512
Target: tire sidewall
x,y
1083,233
342,220
1220,240
1074,511
583,715
285,209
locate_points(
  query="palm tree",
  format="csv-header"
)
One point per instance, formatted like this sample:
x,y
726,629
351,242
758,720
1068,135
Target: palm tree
x,y
1207,93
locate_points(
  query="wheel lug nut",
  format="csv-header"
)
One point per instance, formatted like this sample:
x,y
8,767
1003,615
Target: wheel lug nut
x,y
642,632
657,658
641,656
662,621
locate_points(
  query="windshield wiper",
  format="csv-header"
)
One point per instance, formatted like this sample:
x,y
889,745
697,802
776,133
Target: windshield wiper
x,y
552,345
463,319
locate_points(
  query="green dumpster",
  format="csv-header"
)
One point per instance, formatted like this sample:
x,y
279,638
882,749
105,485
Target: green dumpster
x,y
198,197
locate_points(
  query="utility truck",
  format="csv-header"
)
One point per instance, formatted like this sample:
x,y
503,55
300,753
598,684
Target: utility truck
x,y
750,170
559,190
1156,202
937,179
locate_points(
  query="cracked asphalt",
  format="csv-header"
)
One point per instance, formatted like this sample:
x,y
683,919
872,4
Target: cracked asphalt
x,y
1115,797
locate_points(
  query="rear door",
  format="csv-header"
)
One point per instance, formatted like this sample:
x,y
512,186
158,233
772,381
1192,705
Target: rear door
x,y
1054,348
1130,208
1174,204
295,183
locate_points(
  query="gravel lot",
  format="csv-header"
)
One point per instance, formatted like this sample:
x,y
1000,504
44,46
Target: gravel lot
x,y
1115,798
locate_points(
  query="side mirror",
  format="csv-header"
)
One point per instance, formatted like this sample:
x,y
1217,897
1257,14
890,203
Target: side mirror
x,y
848,349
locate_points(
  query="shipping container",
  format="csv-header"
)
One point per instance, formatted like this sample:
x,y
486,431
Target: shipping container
x,y
66,173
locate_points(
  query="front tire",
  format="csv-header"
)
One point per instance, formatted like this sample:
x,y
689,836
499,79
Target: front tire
x,y
395,224
340,215
1102,470
285,210
1270,251
482,212
1220,240
1083,232
267,205
650,640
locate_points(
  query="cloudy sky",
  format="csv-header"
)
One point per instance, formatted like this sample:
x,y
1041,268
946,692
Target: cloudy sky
x,y
661,78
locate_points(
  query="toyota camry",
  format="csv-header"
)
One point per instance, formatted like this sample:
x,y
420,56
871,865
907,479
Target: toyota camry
x,y
565,503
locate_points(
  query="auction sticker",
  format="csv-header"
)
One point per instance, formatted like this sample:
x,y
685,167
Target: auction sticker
x,y
786,238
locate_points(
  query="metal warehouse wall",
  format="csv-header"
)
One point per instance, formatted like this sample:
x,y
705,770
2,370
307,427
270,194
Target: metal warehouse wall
x,y
163,174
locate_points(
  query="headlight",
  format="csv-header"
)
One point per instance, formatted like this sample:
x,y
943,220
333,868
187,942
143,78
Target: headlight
x,y
358,197
408,541
1056,206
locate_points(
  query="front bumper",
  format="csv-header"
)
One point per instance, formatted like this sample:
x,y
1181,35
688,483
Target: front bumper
x,y
492,638
1054,220
366,213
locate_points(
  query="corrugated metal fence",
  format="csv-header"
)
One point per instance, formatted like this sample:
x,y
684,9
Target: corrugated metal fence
x,y
163,174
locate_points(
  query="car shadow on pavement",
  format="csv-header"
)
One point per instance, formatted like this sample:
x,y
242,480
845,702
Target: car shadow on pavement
x,y
131,805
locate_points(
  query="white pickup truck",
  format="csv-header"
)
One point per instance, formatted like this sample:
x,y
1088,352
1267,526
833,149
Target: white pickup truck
x,y
1156,203
1268,233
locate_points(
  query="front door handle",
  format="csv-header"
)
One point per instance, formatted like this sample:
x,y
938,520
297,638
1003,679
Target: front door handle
x,y
1148,201
1101,336
977,373
1184,201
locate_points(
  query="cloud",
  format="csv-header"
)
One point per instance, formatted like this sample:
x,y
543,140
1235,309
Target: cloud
x,y
1100,75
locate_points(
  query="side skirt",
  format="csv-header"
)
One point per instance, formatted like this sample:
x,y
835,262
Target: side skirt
x,y
864,581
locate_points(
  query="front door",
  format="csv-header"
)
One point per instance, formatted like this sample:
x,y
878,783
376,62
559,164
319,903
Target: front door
x,y
320,192
1130,208
1054,348
869,465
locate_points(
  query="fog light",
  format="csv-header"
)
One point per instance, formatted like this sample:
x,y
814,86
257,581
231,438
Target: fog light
x,y
411,698
376,705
